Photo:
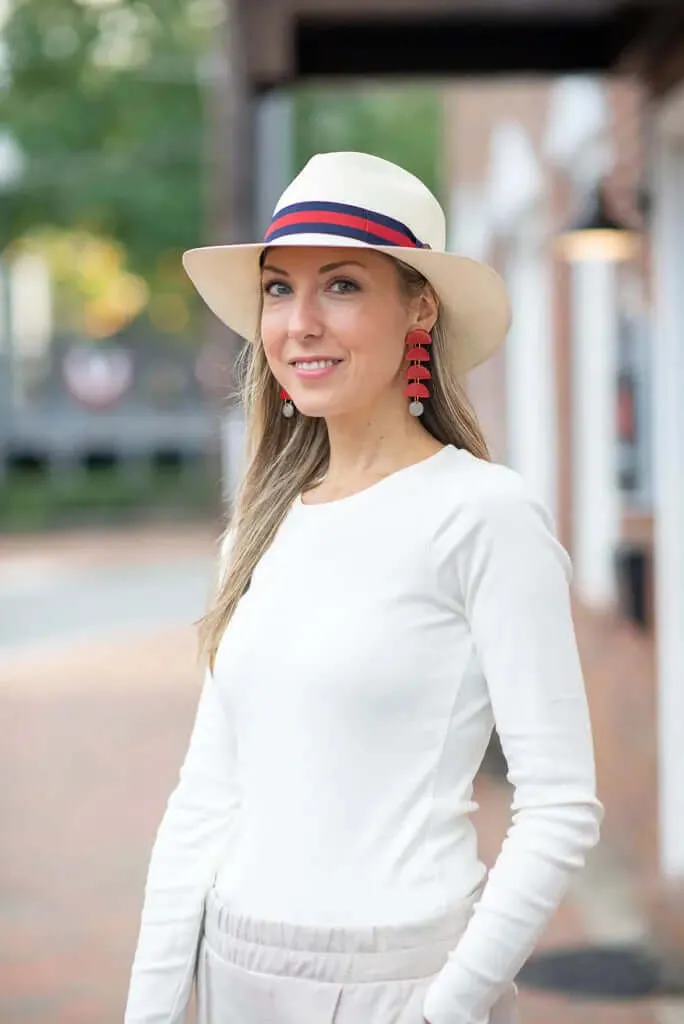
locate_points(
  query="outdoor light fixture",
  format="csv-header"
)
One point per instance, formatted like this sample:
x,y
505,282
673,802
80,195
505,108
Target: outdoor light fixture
x,y
597,235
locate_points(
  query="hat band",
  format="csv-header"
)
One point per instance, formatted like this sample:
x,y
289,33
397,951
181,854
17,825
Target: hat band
x,y
342,219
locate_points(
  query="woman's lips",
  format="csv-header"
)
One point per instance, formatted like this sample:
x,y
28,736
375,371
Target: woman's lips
x,y
315,372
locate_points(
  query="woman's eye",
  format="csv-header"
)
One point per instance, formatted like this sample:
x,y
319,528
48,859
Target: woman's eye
x,y
276,288
343,286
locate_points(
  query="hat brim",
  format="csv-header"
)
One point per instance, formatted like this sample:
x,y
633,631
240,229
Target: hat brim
x,y
475,307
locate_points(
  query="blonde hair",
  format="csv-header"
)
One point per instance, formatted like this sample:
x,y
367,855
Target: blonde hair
x,y
288,456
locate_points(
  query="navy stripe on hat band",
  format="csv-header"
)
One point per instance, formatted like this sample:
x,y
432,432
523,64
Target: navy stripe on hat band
x,y
342,219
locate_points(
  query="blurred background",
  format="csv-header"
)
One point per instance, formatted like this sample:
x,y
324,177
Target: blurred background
x,y
552,132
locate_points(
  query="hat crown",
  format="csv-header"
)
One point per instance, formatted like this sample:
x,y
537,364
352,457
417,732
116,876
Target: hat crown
x,y
372,184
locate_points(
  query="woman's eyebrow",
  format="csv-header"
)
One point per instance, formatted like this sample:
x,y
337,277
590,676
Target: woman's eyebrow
x,y
342,263
276,270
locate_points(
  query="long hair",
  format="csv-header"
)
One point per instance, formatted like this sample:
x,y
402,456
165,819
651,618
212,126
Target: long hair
x,y
287,456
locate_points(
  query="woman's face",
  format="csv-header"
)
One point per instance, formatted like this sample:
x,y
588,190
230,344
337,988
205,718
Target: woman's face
x,y
333,327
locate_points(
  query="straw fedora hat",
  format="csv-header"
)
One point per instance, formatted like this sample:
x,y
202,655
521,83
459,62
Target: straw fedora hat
x,y
359,200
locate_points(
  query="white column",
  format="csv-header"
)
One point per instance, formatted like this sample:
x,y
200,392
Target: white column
x,y
596,506
530,375
668,485
273,153
31,303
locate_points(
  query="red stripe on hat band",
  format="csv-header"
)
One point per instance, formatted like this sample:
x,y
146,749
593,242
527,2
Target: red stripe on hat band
x,y
344,220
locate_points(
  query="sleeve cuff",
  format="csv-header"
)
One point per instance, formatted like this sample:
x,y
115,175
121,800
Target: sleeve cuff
x,y
441,1004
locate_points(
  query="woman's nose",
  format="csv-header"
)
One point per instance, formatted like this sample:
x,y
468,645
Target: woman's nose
x,y
305,317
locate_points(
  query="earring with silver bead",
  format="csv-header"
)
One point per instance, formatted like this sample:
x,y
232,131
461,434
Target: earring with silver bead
x,y
288,409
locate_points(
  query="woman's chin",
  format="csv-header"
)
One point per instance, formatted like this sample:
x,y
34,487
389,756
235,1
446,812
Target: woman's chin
x,y
320,407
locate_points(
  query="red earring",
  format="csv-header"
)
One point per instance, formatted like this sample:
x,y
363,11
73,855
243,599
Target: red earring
x,y
418,354
288,407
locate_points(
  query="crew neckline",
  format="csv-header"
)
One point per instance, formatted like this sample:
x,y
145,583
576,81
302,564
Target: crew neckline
x,y
371,489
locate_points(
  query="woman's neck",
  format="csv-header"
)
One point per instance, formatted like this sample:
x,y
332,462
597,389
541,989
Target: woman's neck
x,y
363,452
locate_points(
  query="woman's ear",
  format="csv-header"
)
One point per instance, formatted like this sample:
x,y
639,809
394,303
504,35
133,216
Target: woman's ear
x,y
426,310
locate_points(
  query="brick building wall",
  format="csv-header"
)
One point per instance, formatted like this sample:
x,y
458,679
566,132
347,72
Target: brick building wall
x,y
617,656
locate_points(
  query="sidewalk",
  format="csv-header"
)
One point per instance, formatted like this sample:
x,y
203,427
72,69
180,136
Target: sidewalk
x,y
101,546
91,740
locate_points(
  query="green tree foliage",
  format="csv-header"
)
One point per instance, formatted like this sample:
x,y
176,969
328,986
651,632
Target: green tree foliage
x,y
402,123
104,99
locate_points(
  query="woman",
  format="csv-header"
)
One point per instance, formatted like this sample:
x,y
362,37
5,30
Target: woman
x,y
388,595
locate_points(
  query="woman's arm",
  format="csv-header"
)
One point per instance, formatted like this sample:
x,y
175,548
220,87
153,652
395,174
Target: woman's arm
x,y
193,834
513,579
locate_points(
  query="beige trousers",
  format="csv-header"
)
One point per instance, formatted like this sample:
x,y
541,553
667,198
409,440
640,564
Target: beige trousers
x,y
263,972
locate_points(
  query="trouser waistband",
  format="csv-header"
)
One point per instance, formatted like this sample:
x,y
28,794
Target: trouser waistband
x,y
375,953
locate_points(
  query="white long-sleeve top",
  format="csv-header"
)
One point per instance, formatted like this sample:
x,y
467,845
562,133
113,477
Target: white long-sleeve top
x,y
329,775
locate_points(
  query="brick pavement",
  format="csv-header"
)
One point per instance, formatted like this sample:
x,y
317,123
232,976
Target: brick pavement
x,y
90,742
89,748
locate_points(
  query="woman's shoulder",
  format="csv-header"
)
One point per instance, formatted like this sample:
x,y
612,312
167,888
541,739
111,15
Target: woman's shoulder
x,y
474,495
468,480
490,507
